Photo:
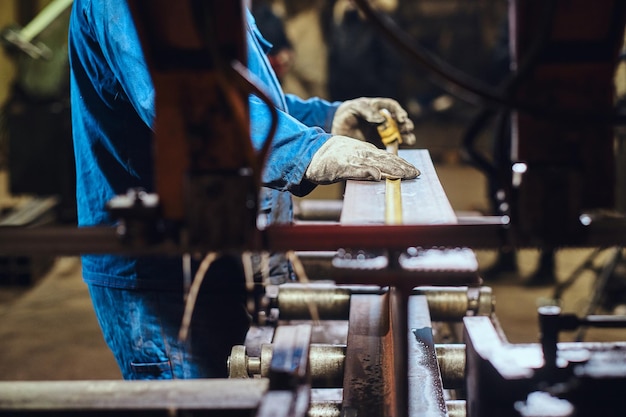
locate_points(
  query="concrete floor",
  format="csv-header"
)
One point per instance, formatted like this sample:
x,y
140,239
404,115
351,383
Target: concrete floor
x,y
48,330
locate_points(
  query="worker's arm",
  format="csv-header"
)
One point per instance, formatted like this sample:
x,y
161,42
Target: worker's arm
x,y
313,111
292,149
110,24
303,152
298,136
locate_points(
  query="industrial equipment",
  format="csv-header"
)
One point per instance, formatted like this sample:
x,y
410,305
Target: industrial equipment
x,y
400,324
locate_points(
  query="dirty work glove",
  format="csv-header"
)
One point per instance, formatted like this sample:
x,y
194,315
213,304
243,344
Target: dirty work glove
x,y
344,158
358,118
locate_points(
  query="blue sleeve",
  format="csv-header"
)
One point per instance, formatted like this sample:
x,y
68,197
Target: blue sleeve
x,y
313,111
114,31
291,151
302,125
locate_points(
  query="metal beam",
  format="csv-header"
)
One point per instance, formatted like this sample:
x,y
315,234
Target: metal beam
x,y
423,200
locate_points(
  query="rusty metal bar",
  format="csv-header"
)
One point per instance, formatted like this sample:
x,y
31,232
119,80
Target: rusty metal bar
x,y
392,237
399,360
375,378
365,393
64,240
389,370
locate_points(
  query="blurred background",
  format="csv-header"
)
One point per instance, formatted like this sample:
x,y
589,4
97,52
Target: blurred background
x,y
322,48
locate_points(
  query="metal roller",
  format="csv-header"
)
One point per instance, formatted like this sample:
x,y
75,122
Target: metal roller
x,y
296,301
454,303
238,363
327,364
328,301
451,360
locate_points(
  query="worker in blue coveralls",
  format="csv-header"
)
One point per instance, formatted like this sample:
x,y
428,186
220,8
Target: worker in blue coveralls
x,y
139,301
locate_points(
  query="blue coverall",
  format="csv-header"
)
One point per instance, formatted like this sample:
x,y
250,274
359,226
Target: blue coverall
x,y
139,301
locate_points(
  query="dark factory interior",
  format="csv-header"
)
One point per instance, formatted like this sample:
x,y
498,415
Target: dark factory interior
x,y
501,263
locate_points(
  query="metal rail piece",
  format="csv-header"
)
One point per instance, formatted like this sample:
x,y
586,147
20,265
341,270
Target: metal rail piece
x,y
382,342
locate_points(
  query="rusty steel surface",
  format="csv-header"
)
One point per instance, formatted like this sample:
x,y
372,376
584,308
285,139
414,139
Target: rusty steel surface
x,y
375,377
391,366
365,391
397,360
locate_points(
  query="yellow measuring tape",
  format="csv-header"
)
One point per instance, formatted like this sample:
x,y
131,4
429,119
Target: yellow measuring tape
x,y
391,137
393,202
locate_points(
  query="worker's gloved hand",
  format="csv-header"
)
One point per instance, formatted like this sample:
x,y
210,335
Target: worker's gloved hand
x,y
355,118
344,158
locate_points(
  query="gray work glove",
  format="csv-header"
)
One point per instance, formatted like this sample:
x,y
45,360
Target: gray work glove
x,y
355,118
344,158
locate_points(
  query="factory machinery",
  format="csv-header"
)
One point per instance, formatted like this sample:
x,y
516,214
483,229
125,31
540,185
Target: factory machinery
x,y
389,316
